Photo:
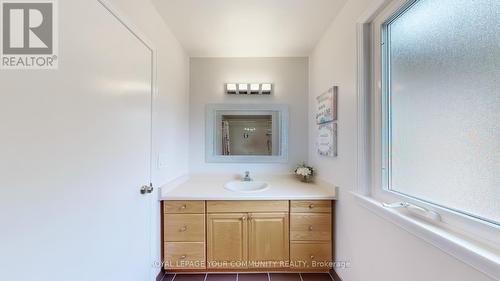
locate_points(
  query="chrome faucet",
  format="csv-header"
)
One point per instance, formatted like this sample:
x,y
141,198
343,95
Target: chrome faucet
x,y
247,176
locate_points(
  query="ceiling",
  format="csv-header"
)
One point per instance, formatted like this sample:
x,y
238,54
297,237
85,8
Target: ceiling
x,y
248,28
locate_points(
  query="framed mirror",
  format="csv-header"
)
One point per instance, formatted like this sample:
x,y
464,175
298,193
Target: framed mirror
x,y
246,133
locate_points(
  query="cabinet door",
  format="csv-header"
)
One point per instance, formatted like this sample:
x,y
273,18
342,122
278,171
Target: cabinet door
x,y
311,254
184,255
268,240
310,227
227,240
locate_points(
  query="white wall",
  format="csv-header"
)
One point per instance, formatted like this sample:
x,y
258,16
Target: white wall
x,y
171,105
207,78
376,249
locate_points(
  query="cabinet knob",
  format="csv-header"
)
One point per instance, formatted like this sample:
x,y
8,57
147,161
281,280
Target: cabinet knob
x,y
183,257
244,218
183,207
311,206
310,228
184,228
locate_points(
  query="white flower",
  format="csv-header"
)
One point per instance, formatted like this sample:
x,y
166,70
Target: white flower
x,y
303,171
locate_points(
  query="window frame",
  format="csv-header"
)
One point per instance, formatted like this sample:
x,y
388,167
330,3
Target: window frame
x,y
378,131
387,117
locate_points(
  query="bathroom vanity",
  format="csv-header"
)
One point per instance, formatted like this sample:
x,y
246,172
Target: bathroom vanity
x,y
287,227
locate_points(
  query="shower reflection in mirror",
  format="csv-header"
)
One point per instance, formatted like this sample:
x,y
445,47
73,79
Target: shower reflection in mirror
x,y
247,135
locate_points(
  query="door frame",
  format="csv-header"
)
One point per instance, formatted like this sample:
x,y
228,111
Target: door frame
x,y
154,252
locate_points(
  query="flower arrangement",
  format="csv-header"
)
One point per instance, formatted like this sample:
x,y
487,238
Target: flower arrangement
x,y
305,172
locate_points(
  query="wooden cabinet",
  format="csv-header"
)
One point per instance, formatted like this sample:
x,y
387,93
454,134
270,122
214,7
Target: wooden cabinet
x,y
184,207
184,227
311,206
310,254
184,255
247,235
268,243
227,240
184,235
310,227
247,206
311,234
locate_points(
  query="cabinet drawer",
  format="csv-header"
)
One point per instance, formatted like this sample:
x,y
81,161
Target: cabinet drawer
x,y
311,206
184,207
311,255
246,206
184,255
312,227
184,227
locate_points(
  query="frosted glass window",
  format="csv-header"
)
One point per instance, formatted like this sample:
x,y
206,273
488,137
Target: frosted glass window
x,y
442,104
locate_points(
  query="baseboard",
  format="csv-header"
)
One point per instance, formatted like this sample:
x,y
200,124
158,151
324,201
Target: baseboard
x,y
334,275
160,275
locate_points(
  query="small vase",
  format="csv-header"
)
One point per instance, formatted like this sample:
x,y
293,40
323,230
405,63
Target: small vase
x,y
305,179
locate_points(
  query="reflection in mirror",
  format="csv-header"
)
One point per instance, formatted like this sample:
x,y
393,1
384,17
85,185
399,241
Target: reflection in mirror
x,y
247,135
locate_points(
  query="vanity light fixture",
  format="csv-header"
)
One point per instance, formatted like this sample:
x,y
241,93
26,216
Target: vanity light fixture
x,y
231,88
254,89
266,89
242,88
249,88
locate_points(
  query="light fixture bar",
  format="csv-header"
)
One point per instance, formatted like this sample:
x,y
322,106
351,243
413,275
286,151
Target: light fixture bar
x,y
249,88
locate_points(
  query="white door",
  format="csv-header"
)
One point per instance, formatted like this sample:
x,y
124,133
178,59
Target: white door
x,y
74,152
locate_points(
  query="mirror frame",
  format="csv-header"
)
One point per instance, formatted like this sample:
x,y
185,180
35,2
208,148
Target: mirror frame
x,y
212,131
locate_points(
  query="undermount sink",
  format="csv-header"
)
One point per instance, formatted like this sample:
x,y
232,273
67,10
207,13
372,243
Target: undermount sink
x,y
246,186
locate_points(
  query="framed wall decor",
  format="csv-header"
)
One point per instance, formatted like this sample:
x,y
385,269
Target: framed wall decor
x,y
326,120
327,139
327,106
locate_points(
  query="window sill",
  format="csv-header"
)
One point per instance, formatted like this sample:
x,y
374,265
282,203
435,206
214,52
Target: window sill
x,y
472,253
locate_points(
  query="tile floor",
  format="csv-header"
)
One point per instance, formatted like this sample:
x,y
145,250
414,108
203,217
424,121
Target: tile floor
x,y
249,277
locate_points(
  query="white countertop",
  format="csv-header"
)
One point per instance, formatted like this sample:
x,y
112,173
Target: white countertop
x,y
281,187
